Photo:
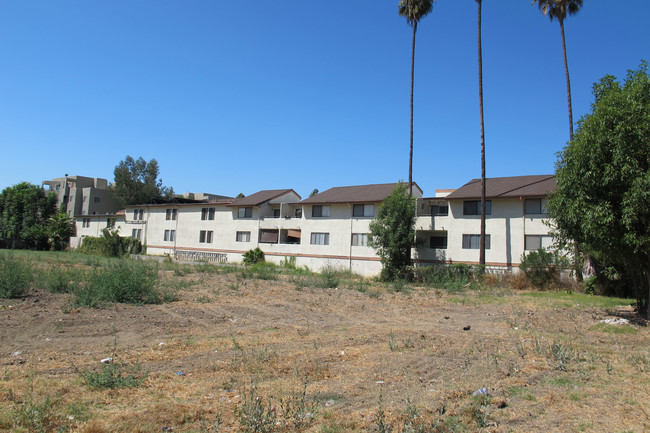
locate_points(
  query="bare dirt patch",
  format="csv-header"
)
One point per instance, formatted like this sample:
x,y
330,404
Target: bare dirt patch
x,y
546,365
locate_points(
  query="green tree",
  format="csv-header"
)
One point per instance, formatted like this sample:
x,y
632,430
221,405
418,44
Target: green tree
x,y
59,229
413,11
392,233
480,94
24,211
137,182
602,200
560,9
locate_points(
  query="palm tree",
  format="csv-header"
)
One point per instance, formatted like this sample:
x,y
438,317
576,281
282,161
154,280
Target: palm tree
x,y
413,11
480,94
559,9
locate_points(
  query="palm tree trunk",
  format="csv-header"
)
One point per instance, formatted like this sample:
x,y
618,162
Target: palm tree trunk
x,y
415,27
568,82
480,94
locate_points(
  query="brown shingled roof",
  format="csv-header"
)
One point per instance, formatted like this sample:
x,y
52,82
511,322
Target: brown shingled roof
x,y
504,187
261,197
354,194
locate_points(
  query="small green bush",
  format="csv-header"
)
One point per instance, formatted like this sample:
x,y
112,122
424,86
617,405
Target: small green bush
x,y
543,267
15,277
253,256
126,281
329,277
114,375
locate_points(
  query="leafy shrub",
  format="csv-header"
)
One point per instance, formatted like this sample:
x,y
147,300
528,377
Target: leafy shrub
x,y
452,277
15,277
253,256
543,267
255,414
126,281
110,244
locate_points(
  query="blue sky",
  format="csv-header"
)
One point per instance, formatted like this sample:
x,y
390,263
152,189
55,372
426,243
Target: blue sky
x,y
298,94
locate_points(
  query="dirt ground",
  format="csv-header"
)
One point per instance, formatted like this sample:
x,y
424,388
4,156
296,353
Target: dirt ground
x,y
360,357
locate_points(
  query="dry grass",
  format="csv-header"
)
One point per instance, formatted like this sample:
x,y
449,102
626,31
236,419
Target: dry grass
x,y
366,360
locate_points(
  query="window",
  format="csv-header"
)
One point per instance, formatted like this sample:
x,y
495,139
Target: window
x,y
442,210
245,212
95,199
243,236
360,239
276,213
136,233
85,222
473,242
320,238
473,207
138,214
84,198
438,242
170,235
535,242
110,222
269,236
171,214
297,213
320,211
205,236
536,206
363,210
207,213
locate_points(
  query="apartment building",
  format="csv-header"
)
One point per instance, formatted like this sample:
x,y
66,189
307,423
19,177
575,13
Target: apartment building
x,y
79,195
331,228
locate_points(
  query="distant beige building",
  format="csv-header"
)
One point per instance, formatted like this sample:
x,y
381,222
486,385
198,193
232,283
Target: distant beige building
x,y
332,228
79,195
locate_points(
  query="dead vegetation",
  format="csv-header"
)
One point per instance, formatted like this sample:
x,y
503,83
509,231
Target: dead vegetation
x,y
284,353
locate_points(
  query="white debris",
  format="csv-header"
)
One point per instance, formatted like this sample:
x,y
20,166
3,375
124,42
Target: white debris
x,y
618,321
107,361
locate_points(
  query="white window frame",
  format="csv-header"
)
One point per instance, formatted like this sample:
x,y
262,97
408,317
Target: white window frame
x,y
169,236
205,236
359,239
171,214
318,238
321,211
476,207
245,212
136,233
535,242
243,237
536,206
473,242
363,210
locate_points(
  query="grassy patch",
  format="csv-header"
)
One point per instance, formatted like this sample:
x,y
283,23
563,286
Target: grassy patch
x,y
126,281
614,329
569,299
16,275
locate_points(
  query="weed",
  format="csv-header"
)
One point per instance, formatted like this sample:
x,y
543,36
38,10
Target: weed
x,y
329,277
288,262
113,374
130,282
62,280
561,355
15,277
641,361
36,414
255,413
297,411
382,424
479,410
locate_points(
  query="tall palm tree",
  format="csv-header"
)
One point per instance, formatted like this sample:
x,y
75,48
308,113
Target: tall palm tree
x,y
560,9
480,95
413,11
